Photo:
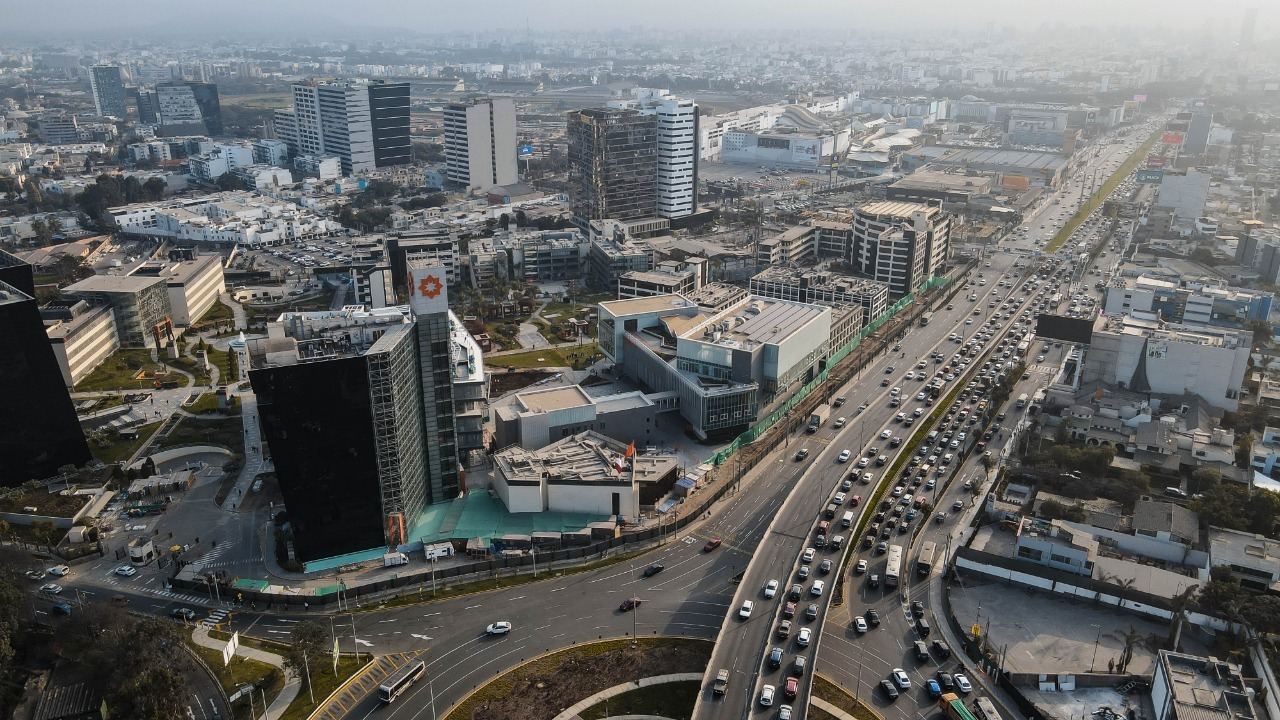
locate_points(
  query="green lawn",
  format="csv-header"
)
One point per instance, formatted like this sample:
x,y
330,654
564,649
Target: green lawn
x,y
1107,188
841,698
242,671
118,372
117,450
324,682
208,403
669,700
548,357
228,432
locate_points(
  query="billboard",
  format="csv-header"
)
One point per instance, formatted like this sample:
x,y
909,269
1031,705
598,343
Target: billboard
x,y
1172,138
1066,329
1157,161
1151,177
427,291
1139,98
524,150
1016,182
805,151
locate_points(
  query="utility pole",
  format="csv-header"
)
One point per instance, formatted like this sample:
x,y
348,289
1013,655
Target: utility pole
x,y
307,665
355,644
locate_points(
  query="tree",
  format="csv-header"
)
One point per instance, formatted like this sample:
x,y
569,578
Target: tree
x,y
1130,640
1222,595
55,225
1204,256
309,645
1204,478
1262,332
229,181
41,230
504,221
154,188
44,530
1262,613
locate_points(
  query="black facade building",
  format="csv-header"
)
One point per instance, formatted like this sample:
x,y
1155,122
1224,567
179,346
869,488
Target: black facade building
x,y
389,115
39,431
317,419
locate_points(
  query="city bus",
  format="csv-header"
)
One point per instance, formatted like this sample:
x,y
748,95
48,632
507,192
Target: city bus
x,y
893,566
925,318
984,709
924,561
401,680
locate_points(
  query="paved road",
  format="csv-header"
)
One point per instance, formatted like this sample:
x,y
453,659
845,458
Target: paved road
x,y
743,646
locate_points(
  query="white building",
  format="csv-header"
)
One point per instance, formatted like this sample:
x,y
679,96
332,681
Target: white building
x,y
260,176
677,183
325,168
900,243
219,161
271,152
480,143
82,336
224,218
584,473
1143,354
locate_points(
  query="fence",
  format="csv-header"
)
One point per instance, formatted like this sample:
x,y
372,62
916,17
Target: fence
x,y
494,567
768,421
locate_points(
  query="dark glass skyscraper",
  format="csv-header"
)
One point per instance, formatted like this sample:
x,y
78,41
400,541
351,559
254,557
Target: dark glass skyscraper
x,y
39,431
106,82
389,112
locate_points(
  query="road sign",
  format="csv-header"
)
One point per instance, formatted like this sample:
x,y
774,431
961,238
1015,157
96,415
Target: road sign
x,y
1150,177
523,150
976,630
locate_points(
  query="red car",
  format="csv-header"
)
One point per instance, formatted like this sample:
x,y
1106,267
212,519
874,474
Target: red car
x,y
712,545
789,610
792,688
629,604
856,500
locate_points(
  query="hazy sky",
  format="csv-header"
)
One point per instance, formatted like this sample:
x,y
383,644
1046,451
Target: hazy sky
x,y
83,17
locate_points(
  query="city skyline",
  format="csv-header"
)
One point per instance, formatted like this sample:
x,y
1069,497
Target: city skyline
x,y
405,18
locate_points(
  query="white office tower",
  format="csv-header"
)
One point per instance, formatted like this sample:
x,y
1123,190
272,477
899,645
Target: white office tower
x,y
677,180
346,127
480,143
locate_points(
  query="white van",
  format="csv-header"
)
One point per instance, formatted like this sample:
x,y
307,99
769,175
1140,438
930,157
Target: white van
x,y
946,459
847,520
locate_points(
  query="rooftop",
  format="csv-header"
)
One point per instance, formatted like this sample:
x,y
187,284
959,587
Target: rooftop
x,y
763,321
641,306
185,270
931,180
1160,516
1234,547
585,458
551,399
896,209
1204,688
113,284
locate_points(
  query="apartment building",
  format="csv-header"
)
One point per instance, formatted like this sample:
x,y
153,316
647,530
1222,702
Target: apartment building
x,y
82,336
480,143
900,243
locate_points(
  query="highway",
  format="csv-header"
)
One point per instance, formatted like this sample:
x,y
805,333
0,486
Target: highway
x,y
780,500
743,646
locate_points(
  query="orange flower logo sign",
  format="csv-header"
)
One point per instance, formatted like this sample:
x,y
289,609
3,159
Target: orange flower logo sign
x,y
430,287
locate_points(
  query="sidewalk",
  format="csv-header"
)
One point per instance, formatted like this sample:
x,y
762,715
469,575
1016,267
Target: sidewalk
x,y
253,462
292,685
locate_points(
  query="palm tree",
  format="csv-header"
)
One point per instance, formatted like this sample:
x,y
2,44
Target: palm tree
x,y
1130,640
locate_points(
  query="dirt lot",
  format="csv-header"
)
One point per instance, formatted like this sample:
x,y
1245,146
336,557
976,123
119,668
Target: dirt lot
x,y
501,383
541,689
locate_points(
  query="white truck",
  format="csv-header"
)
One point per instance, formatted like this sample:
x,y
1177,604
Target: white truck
x,y
393,559
820,415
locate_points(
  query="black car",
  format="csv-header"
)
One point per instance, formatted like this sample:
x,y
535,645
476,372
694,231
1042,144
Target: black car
x,y
941,649
917,608
654,569
947,683
890,690
802,454
183,614
873,617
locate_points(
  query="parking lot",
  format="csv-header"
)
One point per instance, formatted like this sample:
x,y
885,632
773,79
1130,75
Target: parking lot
x,y
1045,633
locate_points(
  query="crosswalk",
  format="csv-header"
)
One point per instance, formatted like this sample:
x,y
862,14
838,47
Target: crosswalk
x,y
123,583
214,618
1045,369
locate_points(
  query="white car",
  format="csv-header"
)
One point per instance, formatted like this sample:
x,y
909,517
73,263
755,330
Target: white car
x,y
59,570
901,680
766,695
784,712
844,456
51,589
861,567
963,684
886,434
745,611
808,555
126,570
502,627
839,422
860,624
803,638
817,588
771,589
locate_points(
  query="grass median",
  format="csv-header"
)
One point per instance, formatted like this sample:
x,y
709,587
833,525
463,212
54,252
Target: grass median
x,y
829,691
1107,188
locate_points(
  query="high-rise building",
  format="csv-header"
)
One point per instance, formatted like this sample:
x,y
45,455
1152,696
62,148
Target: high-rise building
x,y
106,82
899,243
480,143
365,125
346,476
40,432
148,107
389,114
1247,27
191,106
677,172
613,164
407,390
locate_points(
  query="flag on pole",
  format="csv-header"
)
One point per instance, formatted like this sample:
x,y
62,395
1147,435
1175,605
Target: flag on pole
x,y
631,449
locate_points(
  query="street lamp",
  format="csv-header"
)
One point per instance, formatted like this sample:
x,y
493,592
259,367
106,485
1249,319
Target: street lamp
x,y
1096,640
